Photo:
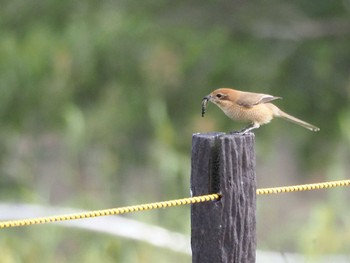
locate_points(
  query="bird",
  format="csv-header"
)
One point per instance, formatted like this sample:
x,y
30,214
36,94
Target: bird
x,y
252,107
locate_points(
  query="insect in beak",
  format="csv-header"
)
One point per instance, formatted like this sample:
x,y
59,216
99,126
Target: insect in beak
x,y
204,104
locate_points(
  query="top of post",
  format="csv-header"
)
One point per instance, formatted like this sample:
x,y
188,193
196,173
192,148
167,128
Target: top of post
x,y
211,135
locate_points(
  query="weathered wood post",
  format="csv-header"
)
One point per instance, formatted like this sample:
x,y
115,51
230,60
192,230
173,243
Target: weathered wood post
x,y
224,230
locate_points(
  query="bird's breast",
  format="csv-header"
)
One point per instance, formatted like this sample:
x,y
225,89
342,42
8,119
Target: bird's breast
x,y
261,113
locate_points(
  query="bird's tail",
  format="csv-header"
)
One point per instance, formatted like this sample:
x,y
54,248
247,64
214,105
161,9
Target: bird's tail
x,y
297,121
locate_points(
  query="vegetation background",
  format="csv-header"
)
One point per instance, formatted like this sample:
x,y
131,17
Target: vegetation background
x,y
99,99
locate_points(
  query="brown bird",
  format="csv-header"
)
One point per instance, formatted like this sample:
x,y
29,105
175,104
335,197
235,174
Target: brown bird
x,y
250,107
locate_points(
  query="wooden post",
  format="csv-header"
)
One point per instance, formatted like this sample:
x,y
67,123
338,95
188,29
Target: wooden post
x,y
224,230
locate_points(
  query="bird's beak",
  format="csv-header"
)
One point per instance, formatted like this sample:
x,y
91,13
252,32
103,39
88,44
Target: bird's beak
x,y
208,97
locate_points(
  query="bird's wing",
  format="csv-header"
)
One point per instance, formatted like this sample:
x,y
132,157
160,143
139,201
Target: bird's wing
x,y
249,99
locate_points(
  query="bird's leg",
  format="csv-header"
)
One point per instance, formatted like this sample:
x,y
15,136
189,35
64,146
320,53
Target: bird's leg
x,y
252,126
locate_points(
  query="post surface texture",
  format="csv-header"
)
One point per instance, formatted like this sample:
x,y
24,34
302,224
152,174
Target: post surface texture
x,y
224,230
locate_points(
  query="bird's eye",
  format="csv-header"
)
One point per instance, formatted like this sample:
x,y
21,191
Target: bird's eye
x,y
219,95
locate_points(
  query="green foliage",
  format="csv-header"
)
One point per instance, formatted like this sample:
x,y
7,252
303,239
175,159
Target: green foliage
x,y
98,101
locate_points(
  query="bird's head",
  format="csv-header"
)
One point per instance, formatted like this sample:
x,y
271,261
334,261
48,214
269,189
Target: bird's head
x,y
221,97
